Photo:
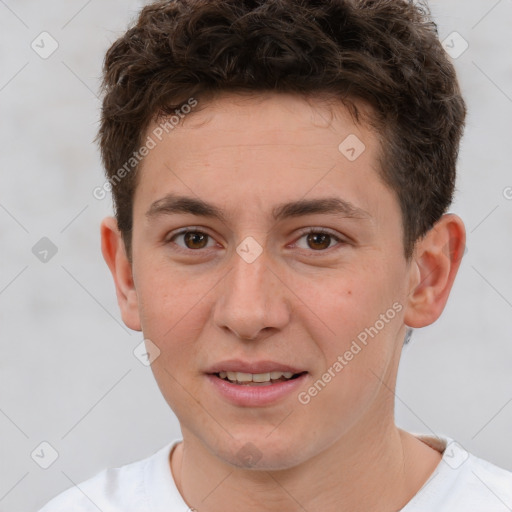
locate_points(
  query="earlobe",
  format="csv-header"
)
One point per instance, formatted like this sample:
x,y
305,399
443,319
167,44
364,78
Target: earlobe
x,y
114,253
435,263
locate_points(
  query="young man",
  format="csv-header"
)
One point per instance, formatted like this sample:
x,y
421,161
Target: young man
x,y
281,171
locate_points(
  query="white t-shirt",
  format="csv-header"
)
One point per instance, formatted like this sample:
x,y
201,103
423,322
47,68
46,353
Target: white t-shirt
x,y
460,483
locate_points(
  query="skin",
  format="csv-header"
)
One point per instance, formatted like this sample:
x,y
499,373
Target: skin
x,y
300,303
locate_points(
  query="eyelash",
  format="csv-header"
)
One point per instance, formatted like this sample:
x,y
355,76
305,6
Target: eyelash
x,y
318,231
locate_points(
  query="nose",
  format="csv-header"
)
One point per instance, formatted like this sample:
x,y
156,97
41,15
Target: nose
x,y
252,301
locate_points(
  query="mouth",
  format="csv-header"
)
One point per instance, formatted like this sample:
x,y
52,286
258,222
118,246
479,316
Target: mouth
x,y
257,379
259,383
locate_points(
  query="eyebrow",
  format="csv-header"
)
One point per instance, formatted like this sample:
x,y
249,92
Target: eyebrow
x,y
175,204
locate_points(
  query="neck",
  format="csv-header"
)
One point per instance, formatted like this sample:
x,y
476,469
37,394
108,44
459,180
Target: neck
x,y
380,470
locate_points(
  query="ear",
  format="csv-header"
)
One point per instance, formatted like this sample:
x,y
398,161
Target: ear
x,y
114,253
434,265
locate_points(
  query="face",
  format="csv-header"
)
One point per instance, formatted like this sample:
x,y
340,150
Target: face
x,y
263,242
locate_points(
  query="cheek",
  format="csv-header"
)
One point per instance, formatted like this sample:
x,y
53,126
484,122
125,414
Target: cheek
x,y
344,305
173,310
357,347
173,306
355,326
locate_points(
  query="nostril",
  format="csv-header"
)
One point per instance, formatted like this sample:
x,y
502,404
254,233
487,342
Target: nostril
x,y
250,338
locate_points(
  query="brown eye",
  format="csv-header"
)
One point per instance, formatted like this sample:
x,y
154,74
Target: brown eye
x,y
191,240
195,239
319,241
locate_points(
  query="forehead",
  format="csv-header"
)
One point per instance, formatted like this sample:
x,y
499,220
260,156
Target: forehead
x,y
236,125
256,149
270,119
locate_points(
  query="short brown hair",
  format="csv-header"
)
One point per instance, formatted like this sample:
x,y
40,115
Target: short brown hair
x,y
383,52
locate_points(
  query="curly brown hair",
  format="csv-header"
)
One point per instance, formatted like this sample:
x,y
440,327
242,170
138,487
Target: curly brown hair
x,y
383,52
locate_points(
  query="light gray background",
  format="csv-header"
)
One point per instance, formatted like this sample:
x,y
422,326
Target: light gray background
x,y
67,372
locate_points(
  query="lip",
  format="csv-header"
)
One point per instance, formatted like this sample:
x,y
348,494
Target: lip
x,y
256,396
238,365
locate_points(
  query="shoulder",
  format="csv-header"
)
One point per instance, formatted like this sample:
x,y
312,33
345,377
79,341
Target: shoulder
x,y
462,482
485,483
107,491
119,489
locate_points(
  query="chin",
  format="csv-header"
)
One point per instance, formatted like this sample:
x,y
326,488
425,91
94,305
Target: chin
x,y
261,451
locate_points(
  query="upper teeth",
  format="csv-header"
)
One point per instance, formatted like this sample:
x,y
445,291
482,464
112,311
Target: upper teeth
x,y
254,377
